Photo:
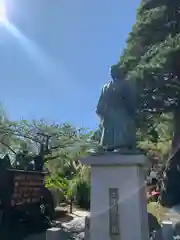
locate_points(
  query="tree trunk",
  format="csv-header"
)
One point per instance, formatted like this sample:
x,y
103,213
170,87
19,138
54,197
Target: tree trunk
x,y
70,207
176,134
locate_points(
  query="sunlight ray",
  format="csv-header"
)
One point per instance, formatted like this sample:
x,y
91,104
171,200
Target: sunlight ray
x,y
50,71
3,15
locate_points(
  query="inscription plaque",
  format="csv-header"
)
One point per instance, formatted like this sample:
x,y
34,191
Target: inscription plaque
x,y
114,212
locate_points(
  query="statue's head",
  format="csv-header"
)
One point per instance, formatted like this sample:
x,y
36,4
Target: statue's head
x,y
117,73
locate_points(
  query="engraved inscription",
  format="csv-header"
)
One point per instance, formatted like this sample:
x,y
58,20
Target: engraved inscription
x,y
114,211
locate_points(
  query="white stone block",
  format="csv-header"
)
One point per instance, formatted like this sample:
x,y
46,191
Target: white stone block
x,y
167,230
53,234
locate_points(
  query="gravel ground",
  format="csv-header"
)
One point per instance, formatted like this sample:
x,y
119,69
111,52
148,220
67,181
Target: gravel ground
x,y
72,227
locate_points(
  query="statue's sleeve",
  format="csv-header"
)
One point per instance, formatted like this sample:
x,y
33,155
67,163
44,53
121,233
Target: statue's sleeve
x,y
100,105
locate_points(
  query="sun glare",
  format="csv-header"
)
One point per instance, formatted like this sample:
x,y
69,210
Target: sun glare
x,y
3,17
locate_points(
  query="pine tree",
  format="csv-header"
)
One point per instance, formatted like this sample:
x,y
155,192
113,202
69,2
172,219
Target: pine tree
x,y
152,58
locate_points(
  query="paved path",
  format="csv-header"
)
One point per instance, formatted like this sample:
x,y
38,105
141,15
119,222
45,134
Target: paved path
x,y
41,236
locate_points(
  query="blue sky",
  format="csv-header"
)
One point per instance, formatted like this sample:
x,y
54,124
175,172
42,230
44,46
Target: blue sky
x,y
55,56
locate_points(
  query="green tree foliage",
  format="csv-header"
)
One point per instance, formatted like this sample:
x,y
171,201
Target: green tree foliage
x,y
5,137
66,146
156,140
68,173
151,58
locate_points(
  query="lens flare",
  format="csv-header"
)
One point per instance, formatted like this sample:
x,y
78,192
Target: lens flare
x,y
3,16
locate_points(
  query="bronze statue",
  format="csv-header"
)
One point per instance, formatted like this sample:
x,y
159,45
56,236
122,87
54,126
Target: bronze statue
x,y
117,110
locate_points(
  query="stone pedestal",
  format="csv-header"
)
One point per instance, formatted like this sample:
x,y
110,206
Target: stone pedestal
x,y
118,198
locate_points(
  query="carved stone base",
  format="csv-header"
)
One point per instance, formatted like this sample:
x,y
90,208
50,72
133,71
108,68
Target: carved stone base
x,y
124,151
118,199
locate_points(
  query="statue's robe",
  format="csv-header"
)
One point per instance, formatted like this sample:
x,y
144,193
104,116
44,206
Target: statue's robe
x,y
103,110
116,111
